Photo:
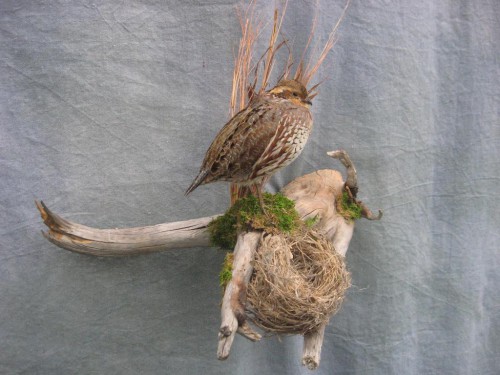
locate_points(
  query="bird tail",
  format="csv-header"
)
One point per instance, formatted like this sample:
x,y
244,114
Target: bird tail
x,y
200,179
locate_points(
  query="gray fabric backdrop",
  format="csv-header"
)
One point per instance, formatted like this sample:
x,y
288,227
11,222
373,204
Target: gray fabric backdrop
x,y
107,108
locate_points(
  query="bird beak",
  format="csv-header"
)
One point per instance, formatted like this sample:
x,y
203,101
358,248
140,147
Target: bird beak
x,y
307,101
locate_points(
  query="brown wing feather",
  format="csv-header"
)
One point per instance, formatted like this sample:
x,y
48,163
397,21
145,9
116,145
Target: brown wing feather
x,y
241,143
246,147
211,165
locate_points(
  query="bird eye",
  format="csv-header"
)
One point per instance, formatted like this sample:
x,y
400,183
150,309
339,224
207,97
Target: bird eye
x,y
295,94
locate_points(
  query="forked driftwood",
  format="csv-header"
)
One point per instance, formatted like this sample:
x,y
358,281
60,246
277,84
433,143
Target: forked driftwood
x,y
315,196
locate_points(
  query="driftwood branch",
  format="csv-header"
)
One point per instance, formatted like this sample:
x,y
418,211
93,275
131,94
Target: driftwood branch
x,y
313,341
127,241
352,177
234,300
315,196
351,183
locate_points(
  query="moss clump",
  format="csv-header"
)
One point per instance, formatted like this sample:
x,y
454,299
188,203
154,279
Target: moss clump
x,y
348,207
226,272
247,214
223,231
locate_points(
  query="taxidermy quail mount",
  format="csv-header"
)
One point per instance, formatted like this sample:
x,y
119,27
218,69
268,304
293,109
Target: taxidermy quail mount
x,y
285,272
259,140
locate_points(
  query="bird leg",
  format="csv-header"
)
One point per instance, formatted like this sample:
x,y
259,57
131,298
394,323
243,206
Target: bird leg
x,y
261,198
256,190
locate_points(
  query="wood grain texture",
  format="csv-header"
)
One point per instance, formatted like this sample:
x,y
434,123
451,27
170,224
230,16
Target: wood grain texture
x,y
126,241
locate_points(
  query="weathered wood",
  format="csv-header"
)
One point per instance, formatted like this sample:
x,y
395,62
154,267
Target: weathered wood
x,y
352,177
234,300
313,341
314,195
351,183
127,241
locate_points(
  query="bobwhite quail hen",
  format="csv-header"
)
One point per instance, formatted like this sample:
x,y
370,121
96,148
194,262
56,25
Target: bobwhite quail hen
x,y
259,140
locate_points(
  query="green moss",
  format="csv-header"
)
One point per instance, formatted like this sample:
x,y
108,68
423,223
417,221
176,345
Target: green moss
x,y
348,208
311,221
246,214
226,273
223,231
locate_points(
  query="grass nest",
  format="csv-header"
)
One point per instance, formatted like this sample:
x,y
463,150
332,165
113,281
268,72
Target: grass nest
x,y
299,282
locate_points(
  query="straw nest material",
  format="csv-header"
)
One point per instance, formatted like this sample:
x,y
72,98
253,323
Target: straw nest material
x,y
299,281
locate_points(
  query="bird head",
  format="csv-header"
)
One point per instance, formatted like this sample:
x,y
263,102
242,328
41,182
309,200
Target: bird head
x,y
292,90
